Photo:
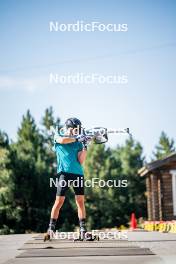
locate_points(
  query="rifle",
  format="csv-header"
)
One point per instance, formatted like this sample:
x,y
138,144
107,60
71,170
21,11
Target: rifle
x,y
100,135
97,135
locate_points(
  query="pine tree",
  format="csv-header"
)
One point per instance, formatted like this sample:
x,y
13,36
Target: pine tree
x,y
4,140
165,146
132,160
48,119
6,185
96,198
27,165
109,207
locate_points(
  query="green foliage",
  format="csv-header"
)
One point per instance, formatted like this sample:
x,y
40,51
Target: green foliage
x,y
109,207
132,160
27,165
49,120
6,185
165,146
29,175
4,140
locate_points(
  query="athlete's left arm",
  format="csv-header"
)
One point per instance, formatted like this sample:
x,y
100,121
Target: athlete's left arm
x,y
82,156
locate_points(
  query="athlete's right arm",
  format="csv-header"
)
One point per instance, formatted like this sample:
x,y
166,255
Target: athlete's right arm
x,y
64,140
67,140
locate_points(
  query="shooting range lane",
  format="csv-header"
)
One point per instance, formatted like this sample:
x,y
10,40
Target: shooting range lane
x,y
69,244
76,252
75,245
60,248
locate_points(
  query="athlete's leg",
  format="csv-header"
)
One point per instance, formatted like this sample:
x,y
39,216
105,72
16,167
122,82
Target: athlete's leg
x,y
80,202
81,214
57,206
55,212
60,197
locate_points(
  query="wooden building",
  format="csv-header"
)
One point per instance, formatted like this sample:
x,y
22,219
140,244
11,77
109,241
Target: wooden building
x,y
161,188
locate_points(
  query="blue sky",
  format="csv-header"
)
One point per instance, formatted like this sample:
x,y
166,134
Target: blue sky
x,y
146,54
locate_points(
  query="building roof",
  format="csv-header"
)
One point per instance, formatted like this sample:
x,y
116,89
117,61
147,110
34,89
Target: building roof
x,y
168,160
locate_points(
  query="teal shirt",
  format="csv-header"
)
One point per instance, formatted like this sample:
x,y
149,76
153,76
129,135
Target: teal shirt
x,y
67,158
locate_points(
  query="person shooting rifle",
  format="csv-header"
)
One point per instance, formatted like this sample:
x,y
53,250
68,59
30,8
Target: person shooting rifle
x,y
70,149
70,145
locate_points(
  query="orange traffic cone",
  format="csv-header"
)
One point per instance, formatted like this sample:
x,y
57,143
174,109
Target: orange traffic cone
x,y
133,222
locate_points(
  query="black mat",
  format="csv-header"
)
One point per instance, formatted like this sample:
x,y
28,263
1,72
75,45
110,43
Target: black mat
x,y
71,237
40,241
76,245
74,252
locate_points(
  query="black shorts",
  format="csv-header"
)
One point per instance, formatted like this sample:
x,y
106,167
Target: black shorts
x,y
65,180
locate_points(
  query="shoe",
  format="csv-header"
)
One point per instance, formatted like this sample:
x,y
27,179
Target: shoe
x,y
49,235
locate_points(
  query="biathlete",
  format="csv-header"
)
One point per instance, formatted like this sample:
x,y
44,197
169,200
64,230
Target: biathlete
x,y
71,153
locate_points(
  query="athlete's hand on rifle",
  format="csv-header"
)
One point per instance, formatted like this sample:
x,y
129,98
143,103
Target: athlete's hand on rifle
x,y
84,140
81,138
